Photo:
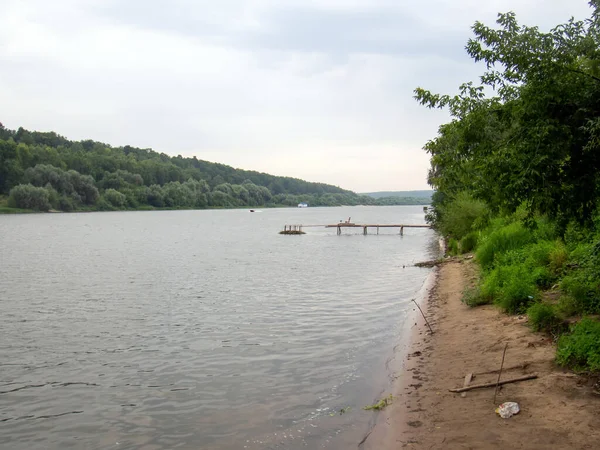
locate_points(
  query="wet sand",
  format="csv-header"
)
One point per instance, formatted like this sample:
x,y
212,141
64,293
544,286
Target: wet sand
x,y
559,410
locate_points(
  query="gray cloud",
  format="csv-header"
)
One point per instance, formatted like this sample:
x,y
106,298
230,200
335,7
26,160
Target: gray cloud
x,y
298,28
316,89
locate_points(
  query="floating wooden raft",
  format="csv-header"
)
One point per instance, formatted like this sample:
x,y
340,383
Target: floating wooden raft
x,y
292,229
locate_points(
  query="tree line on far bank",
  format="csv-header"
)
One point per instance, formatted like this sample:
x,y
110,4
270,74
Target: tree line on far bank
x,y
44,171
517,176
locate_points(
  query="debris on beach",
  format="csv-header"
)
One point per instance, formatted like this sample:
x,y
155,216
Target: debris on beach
x,y
380,404
508,409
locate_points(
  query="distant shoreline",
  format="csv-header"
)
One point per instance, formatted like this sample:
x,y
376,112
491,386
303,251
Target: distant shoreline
x,y
9,210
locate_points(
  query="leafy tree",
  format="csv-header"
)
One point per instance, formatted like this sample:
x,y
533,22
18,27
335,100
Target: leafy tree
x,y
11,172
536,140
80,187
29,197
115,198
155,196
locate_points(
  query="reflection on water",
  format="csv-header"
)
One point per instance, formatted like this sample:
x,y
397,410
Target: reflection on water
x,y
199,329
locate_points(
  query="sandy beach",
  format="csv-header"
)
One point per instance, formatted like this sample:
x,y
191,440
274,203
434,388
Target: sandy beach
x,y
559,409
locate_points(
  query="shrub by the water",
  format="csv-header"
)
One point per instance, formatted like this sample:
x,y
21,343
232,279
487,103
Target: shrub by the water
x,y
463,215
580,349
29,197
115,198
66,203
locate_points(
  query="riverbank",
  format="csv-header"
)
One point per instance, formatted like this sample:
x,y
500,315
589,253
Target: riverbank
x,y
558,410
5,209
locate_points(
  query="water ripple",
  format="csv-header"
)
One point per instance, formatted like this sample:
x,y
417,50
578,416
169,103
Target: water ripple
x,y
198,329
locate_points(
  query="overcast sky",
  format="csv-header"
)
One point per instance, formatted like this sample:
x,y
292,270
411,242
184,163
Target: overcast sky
x,y
316,89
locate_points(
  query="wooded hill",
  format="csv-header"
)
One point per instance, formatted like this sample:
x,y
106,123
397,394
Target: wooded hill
x,y
43,170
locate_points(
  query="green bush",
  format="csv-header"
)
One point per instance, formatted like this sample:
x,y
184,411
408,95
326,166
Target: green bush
x,y
492,284
27,196
463,215
115,198
567,306
70,183
580,349
103,205
473,297
583,287
544,259
583,283
517,261
538,254
542,317
544,229
532,255
468,242
558,257
517,293
512,287
132,197
66,203
509,237
542,277
452,247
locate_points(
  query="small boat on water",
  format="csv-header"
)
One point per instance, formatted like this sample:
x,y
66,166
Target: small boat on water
x,y
251,210
302,205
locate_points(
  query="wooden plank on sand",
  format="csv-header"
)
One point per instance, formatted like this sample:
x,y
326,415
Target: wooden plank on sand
x,y
487,385
468,378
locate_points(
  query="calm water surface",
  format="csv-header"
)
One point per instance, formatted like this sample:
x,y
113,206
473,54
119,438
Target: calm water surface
x,y
200,329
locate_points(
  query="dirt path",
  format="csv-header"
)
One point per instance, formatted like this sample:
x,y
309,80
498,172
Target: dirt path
x,y
559,410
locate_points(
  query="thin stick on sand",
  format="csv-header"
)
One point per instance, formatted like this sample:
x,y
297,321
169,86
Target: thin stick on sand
x,y
500,373
423,315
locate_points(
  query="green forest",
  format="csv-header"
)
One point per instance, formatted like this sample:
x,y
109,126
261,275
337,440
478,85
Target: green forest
x,y
516,174
44,171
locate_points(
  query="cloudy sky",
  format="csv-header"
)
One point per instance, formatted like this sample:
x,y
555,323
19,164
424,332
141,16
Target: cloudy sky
x,y
316,89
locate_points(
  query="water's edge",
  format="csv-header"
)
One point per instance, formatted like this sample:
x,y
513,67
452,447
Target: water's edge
x,y
396,365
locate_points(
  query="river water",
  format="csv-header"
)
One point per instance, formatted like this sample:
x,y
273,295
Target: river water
x,y
201,329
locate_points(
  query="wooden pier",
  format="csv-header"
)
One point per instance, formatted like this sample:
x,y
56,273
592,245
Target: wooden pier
x,y
289,229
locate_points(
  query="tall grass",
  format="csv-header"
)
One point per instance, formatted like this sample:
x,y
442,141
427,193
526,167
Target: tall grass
x,y
517,261
501,240
581,348
468,242
543,318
